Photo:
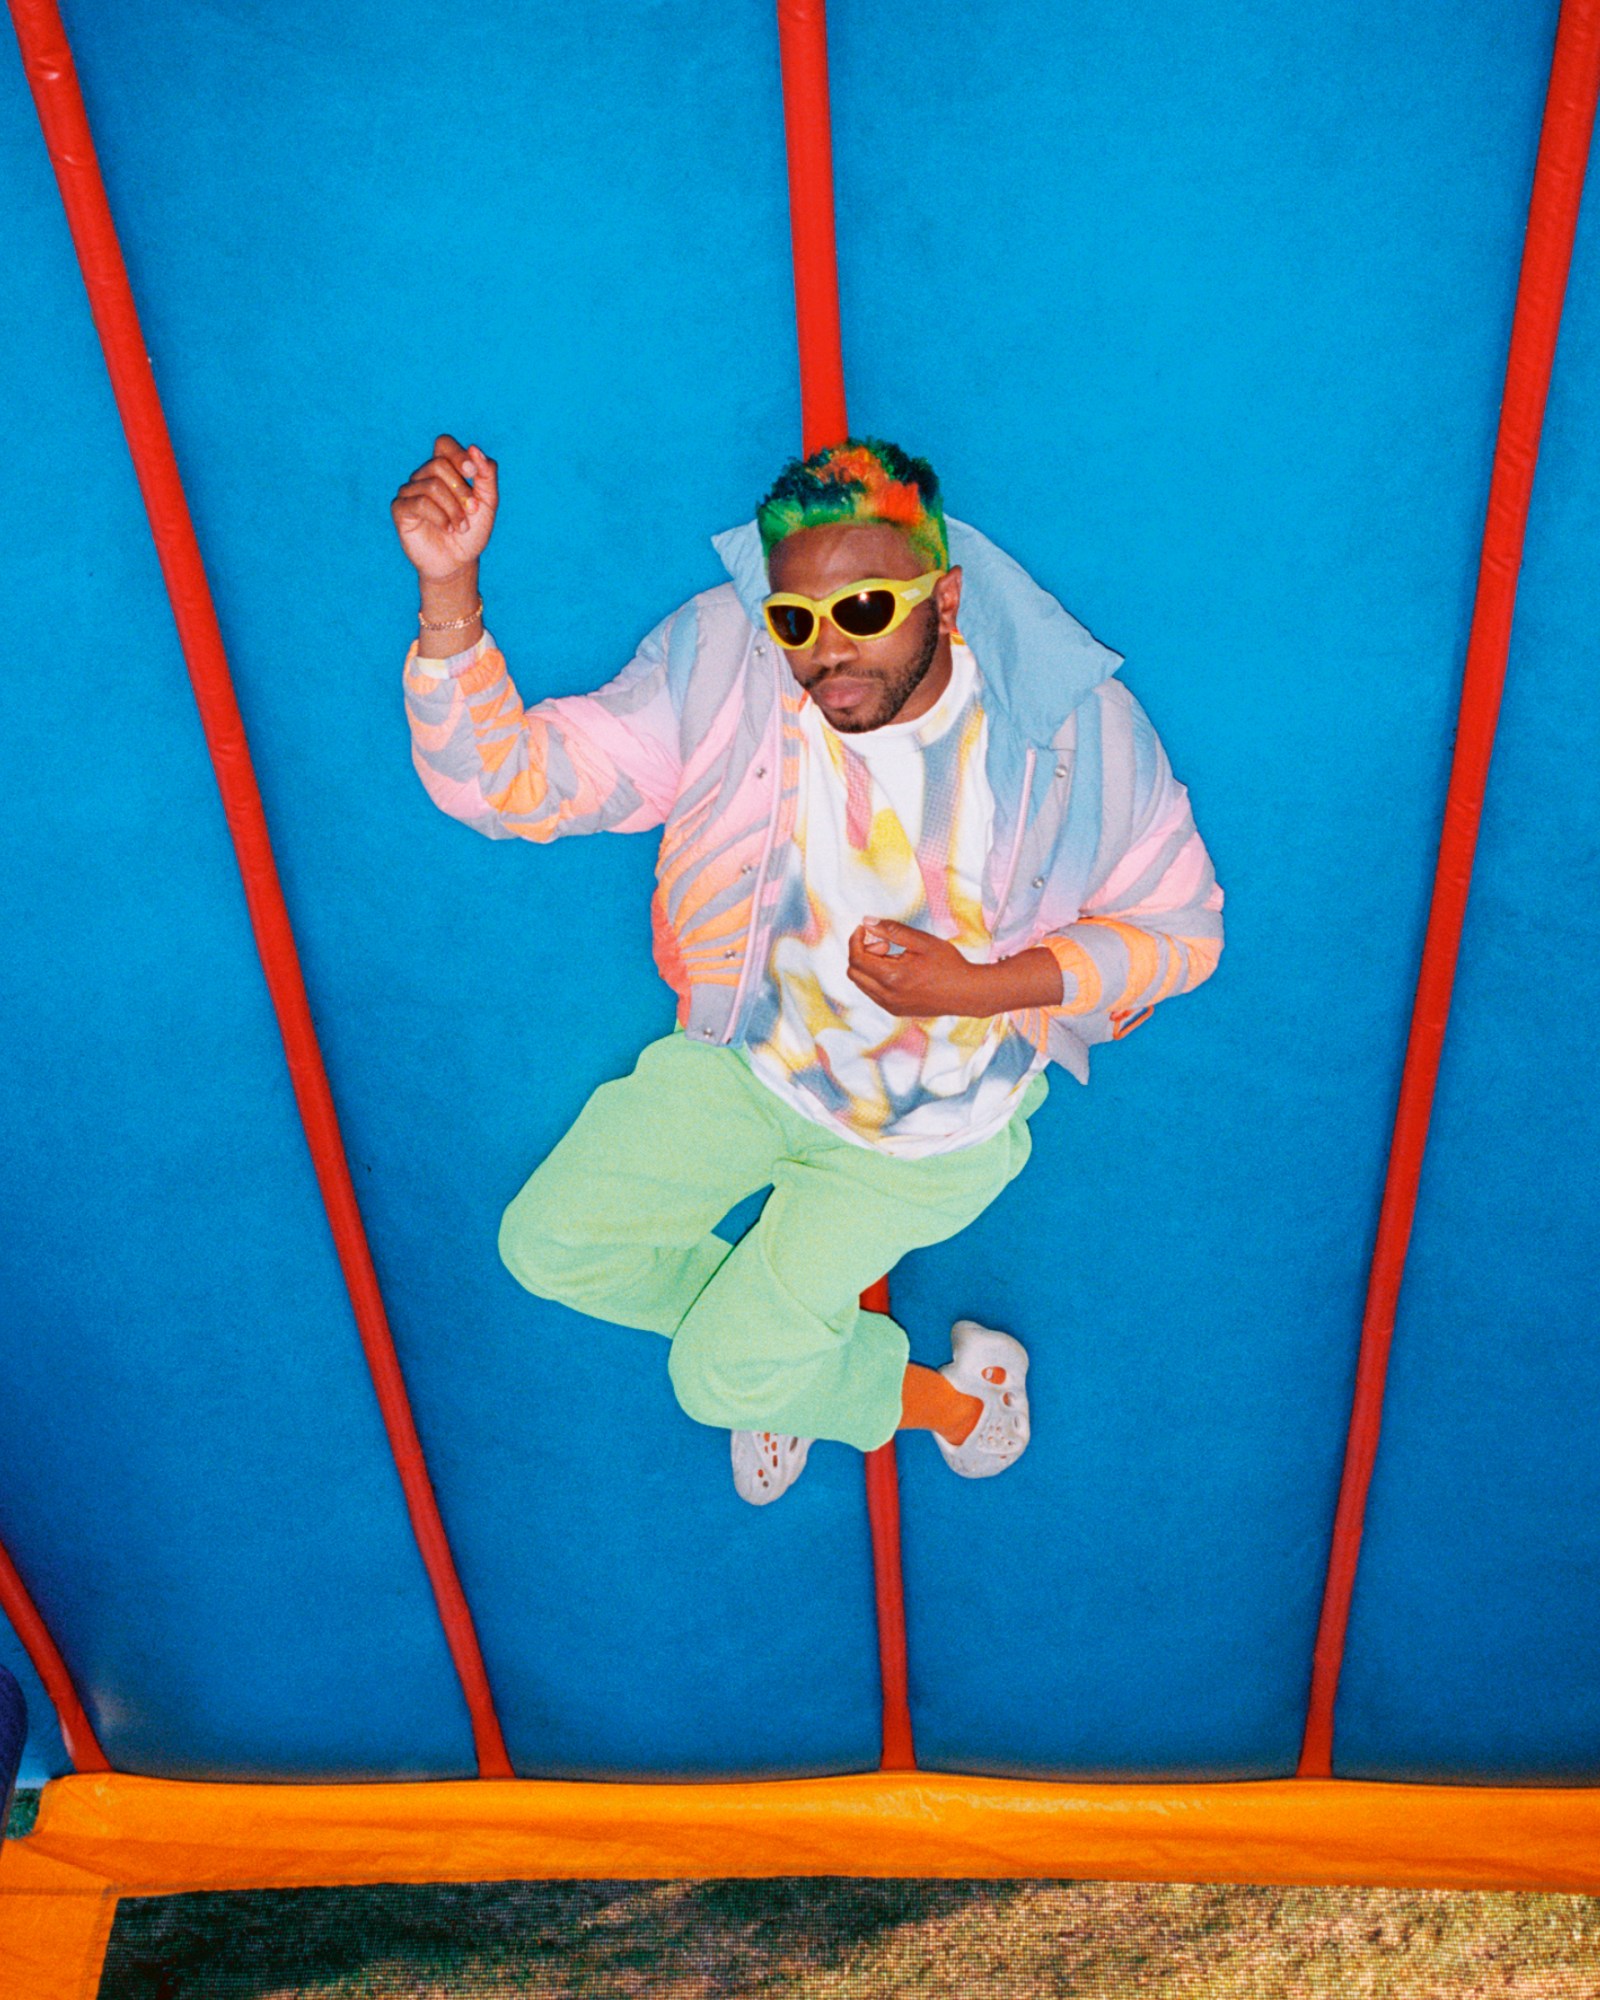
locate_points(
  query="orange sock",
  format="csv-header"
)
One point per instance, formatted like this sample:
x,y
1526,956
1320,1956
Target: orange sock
x,y
929,1403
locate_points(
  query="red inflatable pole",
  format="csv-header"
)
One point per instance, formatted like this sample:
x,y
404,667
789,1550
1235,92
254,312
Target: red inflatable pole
x,y
77,1732
1547,252
803,49
47,58
883,1514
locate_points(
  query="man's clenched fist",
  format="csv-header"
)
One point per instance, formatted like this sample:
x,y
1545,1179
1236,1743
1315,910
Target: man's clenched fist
x,y
444,513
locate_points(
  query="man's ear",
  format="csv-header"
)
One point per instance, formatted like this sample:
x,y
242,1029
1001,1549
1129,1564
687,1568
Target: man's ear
x,y
947,596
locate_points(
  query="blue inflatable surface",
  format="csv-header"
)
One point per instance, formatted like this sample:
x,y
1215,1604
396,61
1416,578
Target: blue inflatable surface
x,y
1201,315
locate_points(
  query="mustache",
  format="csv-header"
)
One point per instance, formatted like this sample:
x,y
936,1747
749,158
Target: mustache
x,y
837,674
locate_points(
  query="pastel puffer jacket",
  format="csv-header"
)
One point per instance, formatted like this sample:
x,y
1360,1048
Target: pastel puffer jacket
x,y
1095,852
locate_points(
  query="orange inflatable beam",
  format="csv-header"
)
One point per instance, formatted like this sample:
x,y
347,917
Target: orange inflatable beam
x,y
47,58
98,1838
1569,115
153,1836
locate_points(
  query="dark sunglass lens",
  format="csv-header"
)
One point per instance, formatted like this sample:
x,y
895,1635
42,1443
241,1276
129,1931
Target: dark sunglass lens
x,y
866,614
792,624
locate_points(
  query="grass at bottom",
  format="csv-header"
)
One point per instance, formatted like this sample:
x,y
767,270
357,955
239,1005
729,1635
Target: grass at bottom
x,y
828,1938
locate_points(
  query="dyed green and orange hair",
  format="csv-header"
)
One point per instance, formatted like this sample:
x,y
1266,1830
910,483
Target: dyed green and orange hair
x,y
866,482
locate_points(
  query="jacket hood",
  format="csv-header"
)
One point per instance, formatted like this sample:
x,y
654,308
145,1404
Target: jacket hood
x,y
1038,662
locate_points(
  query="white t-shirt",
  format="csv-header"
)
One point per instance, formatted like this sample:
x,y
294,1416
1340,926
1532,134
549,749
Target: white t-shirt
x,y
891,822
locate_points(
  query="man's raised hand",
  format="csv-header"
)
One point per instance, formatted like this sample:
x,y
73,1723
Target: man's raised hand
x,y
444,513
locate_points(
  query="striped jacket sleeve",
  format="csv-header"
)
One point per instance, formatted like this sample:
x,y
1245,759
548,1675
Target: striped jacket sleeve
x,y
607,761
1151,925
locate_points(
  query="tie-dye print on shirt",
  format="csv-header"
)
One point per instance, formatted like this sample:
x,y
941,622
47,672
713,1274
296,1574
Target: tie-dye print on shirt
x,y
892,822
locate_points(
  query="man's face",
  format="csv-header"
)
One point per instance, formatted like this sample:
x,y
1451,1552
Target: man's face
x,y
861,684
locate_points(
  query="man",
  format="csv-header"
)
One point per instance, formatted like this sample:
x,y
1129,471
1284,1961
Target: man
x,y
903,865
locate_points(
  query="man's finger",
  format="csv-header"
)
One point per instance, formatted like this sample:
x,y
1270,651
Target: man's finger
x,y
445,446
872,941
862,954
862,960
419,511
437,491
873,988
485,474
897,933
442,469
880,994
893,1003
439,472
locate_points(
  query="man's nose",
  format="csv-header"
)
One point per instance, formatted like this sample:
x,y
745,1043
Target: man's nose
x,y
831,647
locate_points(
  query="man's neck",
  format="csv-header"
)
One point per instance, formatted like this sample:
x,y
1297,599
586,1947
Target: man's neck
x,y
931,686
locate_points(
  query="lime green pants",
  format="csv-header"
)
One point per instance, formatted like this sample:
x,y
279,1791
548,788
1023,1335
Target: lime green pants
x,y
768,1333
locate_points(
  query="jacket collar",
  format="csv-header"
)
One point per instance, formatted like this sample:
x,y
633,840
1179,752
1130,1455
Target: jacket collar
x,y
1037,661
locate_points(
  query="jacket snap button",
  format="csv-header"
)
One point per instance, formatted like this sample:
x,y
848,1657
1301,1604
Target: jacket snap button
x,y
761,770
1038,881
1061,770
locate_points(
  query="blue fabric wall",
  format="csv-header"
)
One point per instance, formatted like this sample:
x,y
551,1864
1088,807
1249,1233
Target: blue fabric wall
x,y
1226,374
1476,1624
1203,317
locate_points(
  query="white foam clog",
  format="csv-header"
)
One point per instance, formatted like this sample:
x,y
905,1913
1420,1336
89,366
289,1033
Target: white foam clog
x,y
766,1464
994,1368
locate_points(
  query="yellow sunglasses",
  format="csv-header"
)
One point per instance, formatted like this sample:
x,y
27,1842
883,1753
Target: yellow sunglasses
x,y
864,610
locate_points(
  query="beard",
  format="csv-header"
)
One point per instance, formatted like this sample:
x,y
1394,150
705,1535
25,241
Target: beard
x,y
896,692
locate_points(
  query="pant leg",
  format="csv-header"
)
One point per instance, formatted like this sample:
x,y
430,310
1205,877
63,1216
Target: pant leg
x,y
617,1221
777,1339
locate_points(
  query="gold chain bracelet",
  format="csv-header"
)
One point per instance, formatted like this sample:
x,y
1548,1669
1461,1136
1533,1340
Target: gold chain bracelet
x,y
452,624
